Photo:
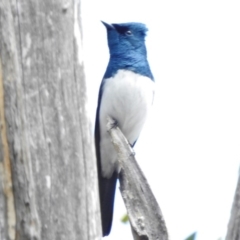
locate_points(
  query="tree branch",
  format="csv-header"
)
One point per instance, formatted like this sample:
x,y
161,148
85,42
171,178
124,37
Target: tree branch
x,y
233,232
144,213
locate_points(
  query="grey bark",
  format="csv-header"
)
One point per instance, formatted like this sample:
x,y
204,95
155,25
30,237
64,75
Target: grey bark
x,y
48,177
144,213
233,232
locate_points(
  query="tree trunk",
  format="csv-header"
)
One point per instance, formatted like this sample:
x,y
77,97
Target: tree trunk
x,y
48,177
233,232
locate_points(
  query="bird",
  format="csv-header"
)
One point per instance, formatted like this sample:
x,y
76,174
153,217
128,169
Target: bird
x,y
126,94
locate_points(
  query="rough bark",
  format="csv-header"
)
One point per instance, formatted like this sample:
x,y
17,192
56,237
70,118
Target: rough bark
x,y
144,213
48,183
233,232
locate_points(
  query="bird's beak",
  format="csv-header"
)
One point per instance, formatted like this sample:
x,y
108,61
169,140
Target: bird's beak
x,y
108,26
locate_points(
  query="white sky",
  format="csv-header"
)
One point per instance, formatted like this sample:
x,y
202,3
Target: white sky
x,y
189,149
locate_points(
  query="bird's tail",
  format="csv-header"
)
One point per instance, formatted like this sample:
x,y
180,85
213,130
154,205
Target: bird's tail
x,y
107,192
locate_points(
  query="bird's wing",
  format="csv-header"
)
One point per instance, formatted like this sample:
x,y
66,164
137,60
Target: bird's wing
x,y
106,186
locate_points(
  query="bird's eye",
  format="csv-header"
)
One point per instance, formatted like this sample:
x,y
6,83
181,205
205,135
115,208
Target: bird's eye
x,y
128,33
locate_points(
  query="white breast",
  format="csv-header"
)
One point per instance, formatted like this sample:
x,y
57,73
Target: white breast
x,y
127,98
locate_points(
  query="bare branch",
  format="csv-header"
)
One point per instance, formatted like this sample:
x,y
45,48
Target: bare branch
x,y
144,213
233,232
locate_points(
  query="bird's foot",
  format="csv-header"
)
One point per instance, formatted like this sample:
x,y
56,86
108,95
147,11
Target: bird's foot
x,y
112,123
133,153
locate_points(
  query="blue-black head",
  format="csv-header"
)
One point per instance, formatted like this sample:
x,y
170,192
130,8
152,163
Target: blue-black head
x,y
123,37
126,42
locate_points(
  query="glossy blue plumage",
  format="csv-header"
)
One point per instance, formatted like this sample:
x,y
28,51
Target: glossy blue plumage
x,y
126,92
127,51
